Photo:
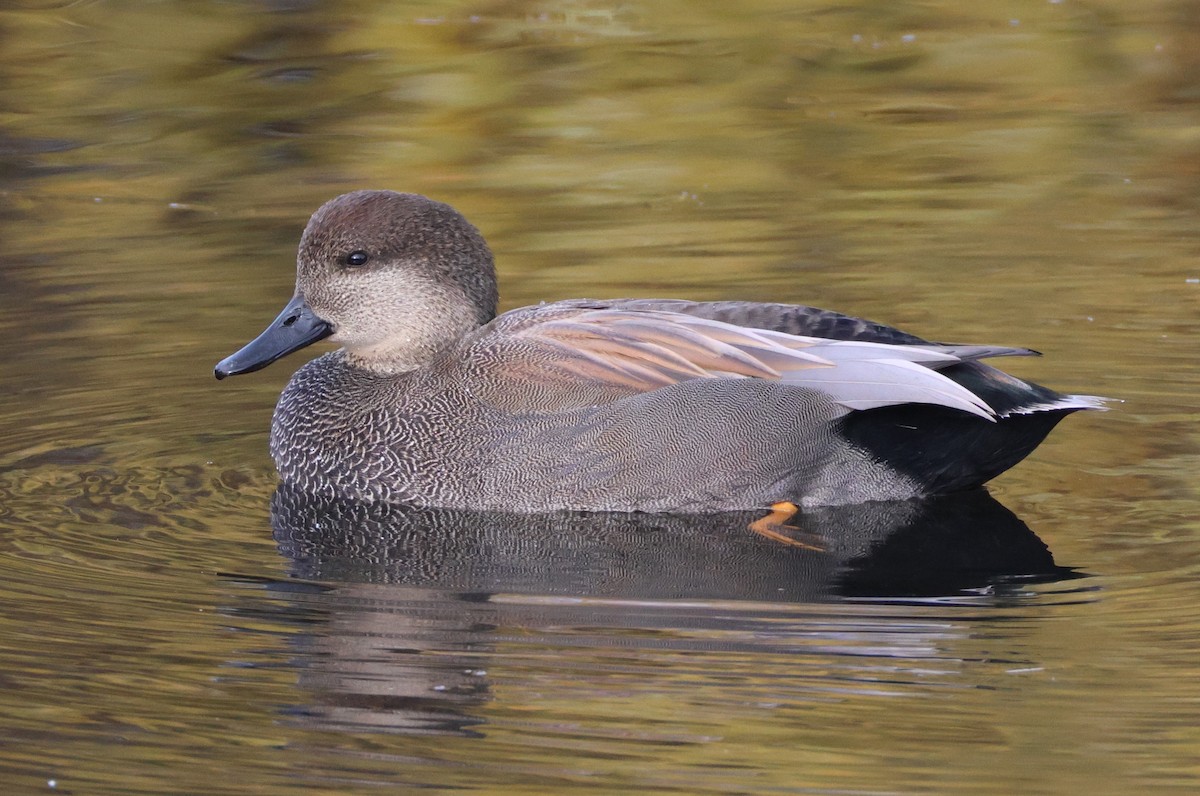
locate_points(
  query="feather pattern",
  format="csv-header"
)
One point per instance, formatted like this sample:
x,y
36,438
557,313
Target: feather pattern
x,y
647,350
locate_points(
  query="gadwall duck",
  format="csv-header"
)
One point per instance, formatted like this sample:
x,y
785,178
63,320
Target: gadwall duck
x,y
614,405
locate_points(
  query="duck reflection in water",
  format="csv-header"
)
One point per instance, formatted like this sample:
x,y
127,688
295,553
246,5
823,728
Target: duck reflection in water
x,y
410,604
931,547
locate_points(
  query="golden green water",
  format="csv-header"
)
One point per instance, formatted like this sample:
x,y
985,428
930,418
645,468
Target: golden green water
x,y
1022,174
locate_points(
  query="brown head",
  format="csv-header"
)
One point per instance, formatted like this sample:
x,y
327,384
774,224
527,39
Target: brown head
x,y
394,278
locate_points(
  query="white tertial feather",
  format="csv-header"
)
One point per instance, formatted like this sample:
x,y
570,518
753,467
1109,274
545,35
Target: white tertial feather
x,y
871,383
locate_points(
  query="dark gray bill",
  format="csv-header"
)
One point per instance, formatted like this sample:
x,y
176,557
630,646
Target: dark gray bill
x,y
295,328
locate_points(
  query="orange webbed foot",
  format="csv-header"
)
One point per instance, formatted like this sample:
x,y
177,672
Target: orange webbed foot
x,y
774,527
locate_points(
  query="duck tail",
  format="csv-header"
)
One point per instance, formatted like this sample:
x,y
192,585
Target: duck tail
x,y
946,450
1064,403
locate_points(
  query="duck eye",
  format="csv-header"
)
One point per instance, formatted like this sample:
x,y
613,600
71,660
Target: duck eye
x,y
356,258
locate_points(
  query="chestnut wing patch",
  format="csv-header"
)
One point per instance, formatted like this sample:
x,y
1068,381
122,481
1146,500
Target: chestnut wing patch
x,y
621,351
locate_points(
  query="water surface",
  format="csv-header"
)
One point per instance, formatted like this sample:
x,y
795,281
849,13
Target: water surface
x,y
1023,175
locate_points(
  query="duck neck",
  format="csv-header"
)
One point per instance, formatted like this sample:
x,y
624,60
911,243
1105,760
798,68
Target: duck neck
x,y
409,350
392,363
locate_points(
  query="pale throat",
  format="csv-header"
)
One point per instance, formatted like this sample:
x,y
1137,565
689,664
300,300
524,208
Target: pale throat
x,y
405,348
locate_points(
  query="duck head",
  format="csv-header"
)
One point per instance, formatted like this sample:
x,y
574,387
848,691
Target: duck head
x,y
394,278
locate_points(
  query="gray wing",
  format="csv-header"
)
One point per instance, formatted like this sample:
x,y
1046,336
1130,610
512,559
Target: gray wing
x,y
794,319
626,350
